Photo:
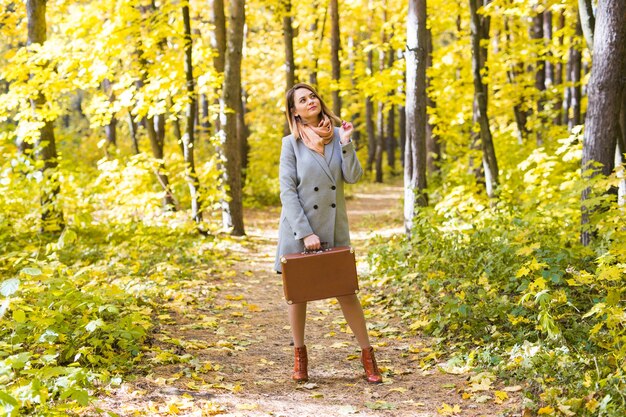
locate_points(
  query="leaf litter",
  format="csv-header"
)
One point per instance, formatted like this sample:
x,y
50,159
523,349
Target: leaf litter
x,y
225,348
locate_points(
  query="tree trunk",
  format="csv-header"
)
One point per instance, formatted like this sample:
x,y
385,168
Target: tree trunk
x,y
356,133
605,93
290,66
155,126
205,122
110,129
575,95
380,142
313,74
540,74
433,147
380,117
558,71
369,119
335,46
242,134
415,151
547,36
516,69
621,152
217,36
479,32
402,117
402,132
390,138
51,211
231,101
132,128
587,21
177,130
188,138
156,144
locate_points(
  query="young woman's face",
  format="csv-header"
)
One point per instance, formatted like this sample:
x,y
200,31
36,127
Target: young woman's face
x,y
306,105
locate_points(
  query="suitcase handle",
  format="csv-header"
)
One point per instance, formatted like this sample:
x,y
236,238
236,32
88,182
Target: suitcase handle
x,y
307,251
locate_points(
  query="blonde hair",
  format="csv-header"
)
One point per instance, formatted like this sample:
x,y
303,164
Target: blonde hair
x,y
290,106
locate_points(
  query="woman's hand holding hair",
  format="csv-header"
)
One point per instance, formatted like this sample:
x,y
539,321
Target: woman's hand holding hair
x,y
345,132
312,242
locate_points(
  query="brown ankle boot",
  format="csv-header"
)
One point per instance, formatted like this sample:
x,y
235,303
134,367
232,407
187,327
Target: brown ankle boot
x,y
300,367
368,360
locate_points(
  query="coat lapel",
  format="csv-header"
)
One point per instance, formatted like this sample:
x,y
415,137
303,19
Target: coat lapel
x,y
329,150
322,162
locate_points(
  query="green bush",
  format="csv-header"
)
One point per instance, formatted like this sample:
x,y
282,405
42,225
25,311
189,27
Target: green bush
x,y
507,283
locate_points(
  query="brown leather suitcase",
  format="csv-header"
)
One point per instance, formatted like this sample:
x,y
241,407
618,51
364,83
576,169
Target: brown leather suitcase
x,y
317,275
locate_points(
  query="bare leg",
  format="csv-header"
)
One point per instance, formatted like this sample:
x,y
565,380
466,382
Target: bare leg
x,y
353,312
297,318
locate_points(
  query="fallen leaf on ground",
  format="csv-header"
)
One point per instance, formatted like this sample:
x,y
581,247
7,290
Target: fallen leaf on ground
x,y
448,410
500,396
380,405
347,409
247,406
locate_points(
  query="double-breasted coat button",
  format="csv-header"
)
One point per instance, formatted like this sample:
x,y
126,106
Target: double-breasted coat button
x,y
333,205
333,188
294,233
345,151
316,189
315,207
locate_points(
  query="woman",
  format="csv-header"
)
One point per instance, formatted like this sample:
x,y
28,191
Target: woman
x,y
315,161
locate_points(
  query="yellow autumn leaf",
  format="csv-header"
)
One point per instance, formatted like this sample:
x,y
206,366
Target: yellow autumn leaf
x,y
546,411
173,409
19,316
247,406
500,396
527,250
535,266
610,273
418,324
234,297
566,410
448,410
212,409
523,271
591,405
466,396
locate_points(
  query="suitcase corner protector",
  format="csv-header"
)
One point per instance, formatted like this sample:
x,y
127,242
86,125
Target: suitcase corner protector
x,y
289,302
351,250
283,260
356,291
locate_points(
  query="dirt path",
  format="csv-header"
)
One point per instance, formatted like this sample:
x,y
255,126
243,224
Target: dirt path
x,y
231,356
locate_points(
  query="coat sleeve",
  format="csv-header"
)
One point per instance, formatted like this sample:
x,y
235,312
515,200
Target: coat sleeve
x,y
350,166
288,178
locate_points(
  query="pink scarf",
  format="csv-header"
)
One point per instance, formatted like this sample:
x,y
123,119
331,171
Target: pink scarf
x,y
315,137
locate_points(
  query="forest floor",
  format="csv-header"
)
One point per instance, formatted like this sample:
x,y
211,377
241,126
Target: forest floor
x,y
229,354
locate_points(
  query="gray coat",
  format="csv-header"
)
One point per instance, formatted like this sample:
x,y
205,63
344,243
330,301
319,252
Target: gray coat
x,y
311,192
